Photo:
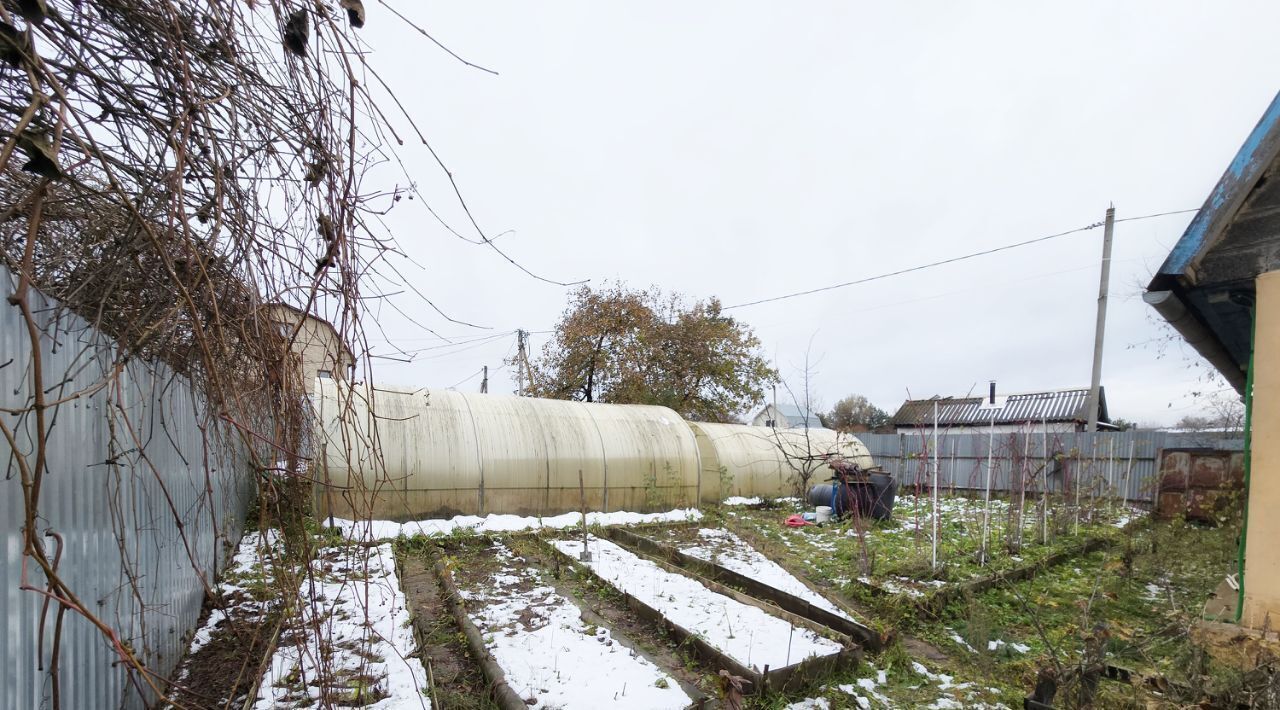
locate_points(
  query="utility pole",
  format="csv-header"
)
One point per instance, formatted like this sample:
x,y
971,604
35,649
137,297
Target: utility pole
x,y
520,360
528,371
1103,286
484,383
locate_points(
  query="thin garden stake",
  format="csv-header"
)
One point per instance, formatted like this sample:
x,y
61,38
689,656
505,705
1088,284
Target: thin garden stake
x,y
1022,480
1044,480
953,468
936,513
1111,471
1093,478
986,498
1128,470
1075,483
582,502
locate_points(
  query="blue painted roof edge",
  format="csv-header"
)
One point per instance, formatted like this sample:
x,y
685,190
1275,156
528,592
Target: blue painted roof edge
x,y
1242,173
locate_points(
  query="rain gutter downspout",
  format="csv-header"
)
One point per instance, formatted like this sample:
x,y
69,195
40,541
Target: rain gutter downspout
x,y
1248,462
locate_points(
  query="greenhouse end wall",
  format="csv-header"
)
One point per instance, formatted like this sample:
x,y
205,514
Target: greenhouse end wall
x,y
742,460
401,454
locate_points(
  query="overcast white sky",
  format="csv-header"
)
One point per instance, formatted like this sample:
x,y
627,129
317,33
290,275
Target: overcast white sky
x,y
748,149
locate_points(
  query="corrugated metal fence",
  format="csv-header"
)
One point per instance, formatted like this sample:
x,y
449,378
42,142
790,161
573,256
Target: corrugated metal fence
x,y
145,501
1122,464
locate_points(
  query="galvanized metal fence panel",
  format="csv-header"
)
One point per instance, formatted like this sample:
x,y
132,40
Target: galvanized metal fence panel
x,y
145,496
1120,464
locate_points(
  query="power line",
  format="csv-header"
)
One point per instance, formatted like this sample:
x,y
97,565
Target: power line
x,y
1158,214
952,260
465,381
453,353
455,346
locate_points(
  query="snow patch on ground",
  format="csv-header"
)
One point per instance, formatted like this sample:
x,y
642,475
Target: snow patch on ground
x,y
746,633
810,704
550,655
353,598
739,500
997,644
954,695
252,559
387,530
893,586
960,641
865,694
869,686
943,680
1126,516
731,552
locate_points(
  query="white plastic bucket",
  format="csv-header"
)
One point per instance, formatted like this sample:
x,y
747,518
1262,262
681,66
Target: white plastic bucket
x,y
823,513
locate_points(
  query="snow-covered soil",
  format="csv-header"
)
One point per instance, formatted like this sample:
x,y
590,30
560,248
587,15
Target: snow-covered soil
x,y
912,588
497,523
355,638
724,548
740,500
241,587
746,633
235,630
550,656
993,645
1127,515
754,500
936,691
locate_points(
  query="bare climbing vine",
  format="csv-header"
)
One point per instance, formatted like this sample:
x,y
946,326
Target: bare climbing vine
x,y
169,168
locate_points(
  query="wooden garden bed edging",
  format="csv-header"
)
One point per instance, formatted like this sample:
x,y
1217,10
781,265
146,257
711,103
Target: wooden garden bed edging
x,y
505,697
867,638
789,678
937,601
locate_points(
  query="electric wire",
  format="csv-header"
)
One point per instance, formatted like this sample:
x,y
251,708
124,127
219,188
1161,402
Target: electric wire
x,y
464,381
952,260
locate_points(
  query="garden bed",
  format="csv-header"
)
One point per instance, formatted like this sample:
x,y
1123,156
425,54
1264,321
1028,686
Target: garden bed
x,y
351,642
455,675
719,555
687,599
546,652
237,632
869,559
771,649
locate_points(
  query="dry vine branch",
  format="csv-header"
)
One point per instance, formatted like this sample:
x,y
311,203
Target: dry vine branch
x,y
168,168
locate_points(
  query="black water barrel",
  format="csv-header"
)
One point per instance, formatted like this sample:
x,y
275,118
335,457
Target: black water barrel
x,y
874,498
885,491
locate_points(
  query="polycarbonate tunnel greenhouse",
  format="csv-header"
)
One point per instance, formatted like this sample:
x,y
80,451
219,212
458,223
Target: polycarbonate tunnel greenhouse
x,y
743,460
398,454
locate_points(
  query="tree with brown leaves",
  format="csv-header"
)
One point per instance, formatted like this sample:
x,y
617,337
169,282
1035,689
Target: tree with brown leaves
x,y
624,346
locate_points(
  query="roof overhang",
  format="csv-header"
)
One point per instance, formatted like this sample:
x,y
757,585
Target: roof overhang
x,y
1204,338
1205,288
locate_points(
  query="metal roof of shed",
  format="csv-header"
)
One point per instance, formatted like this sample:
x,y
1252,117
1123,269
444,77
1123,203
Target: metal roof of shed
x,y
1069,405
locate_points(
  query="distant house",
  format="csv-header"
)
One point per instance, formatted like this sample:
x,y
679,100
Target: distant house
x,y
1054,411
786,416
318,348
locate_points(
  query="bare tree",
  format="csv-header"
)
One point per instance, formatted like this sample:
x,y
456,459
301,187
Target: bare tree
x,y
808,454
